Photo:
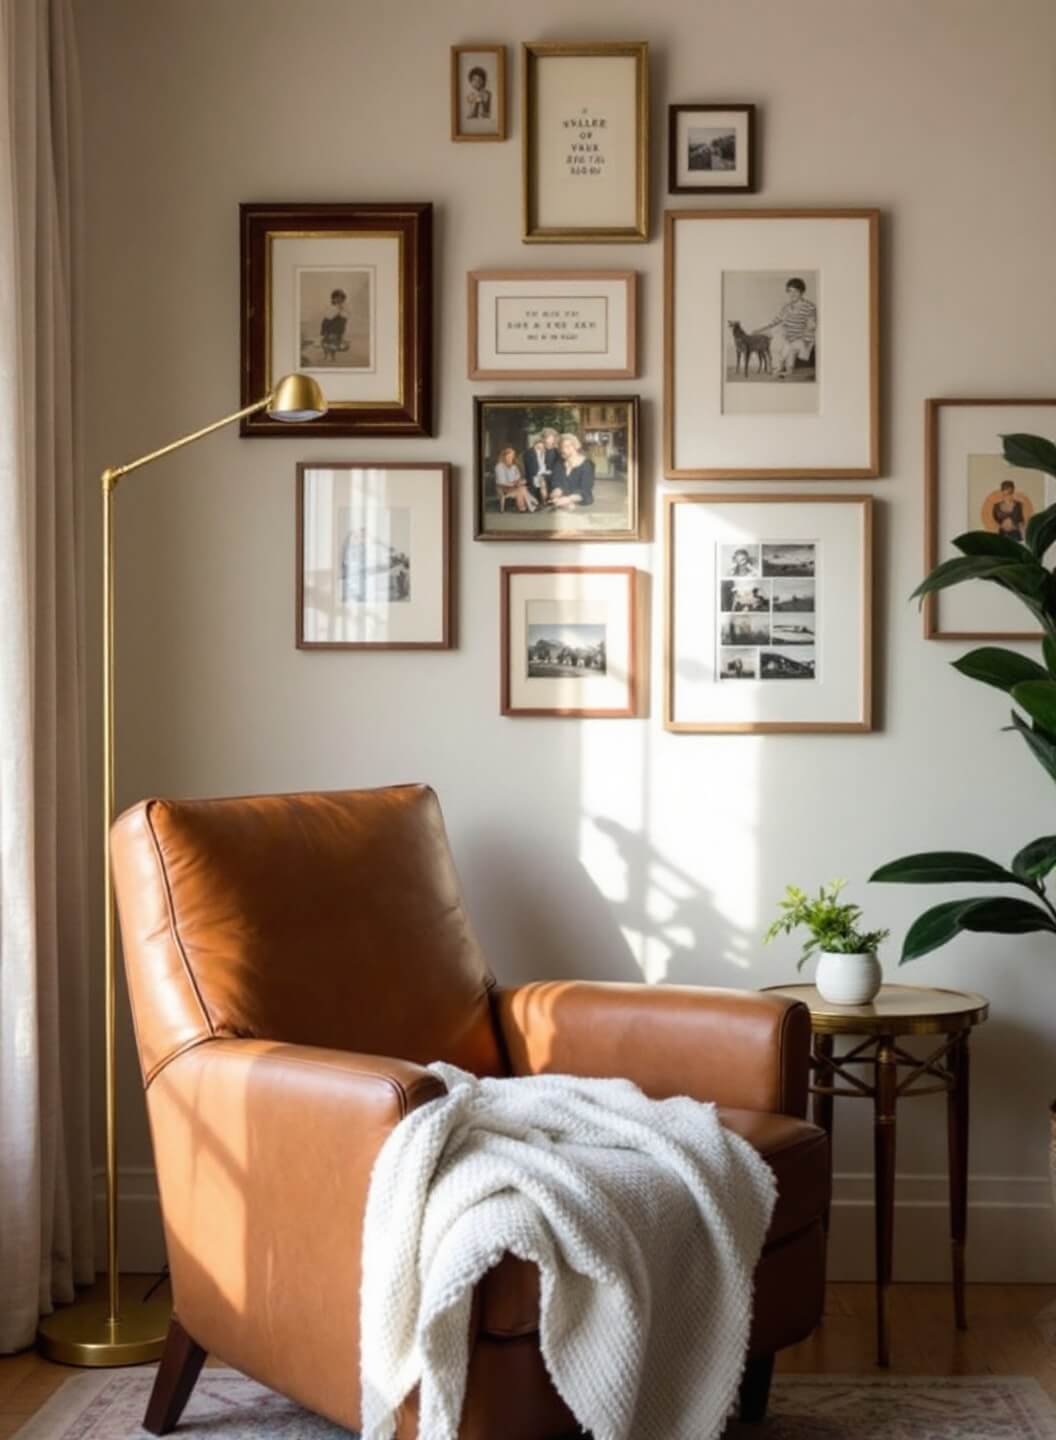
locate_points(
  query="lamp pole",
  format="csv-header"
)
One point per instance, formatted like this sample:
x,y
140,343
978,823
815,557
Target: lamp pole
x,y
125,1327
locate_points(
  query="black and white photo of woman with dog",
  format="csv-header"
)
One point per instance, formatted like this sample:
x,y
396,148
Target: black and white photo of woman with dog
x,y
770,340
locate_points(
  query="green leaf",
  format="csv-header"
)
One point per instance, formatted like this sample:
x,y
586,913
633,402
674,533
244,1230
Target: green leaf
x,y
1048,649
1043,748
1041,530
1030,452
982,542
945,867
1037,859
934,928
1038,698
1002,668
997,915
994,914
1024,579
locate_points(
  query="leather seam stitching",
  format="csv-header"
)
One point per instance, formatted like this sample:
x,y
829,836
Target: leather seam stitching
x,y
174,928
400,1090
782,1057
156,1070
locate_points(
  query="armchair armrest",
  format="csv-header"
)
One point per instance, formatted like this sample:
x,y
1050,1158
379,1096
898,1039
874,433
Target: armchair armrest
x,y
741,1048
264,1154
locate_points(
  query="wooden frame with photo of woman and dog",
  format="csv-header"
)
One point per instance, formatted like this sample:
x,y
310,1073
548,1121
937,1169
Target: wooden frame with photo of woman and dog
x,y
557,469
771,351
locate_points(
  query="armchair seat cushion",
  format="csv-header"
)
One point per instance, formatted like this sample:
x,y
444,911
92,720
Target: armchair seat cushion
x,y
796,1151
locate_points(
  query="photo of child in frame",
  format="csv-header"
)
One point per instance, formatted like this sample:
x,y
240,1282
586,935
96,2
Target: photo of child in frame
x,y
478,92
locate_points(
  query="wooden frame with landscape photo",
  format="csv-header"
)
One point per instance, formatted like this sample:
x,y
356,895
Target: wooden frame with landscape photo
x,y
771,344
552,324
344,294
585,138
968,485
569,641
373,562
486,100
768,618
718,157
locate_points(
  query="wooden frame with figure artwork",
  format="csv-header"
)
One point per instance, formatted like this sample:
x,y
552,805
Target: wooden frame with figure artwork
x,y
969,485
344,294
373,555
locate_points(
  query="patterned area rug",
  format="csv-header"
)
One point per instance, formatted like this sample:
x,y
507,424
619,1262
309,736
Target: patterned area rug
x,y
227,1406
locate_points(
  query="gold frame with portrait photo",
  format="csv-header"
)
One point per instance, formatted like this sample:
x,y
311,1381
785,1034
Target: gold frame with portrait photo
x,y
458,132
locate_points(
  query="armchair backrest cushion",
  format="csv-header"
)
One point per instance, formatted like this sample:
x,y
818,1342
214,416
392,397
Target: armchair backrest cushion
x,y
316,919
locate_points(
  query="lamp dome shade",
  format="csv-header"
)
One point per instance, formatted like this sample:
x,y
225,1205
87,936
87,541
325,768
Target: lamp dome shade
x,y
296,397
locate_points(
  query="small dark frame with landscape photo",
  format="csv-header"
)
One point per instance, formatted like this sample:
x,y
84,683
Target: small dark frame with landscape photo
x,y
727,144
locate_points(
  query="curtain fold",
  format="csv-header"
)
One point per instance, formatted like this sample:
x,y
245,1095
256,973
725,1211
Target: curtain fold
x,y
45,1162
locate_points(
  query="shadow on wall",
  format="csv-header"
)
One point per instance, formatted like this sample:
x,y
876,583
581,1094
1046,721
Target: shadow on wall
x,y
548,918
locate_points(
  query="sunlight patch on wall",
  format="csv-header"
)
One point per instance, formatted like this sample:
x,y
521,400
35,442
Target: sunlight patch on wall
x,y
675,858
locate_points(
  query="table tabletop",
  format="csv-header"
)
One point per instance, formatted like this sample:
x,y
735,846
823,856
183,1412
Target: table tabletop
x,y
895,1010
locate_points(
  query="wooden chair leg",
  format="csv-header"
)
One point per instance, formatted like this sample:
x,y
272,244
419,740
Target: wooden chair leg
x,y
755,1388
181,1364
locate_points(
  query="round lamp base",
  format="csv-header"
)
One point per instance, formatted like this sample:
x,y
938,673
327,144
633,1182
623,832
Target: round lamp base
x,y
83,1334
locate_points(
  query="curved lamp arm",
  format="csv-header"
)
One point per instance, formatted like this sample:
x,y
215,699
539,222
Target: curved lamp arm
x,y
295,397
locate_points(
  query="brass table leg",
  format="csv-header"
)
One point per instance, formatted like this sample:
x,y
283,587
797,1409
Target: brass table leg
x,y
884,1152
957,1114
822,1108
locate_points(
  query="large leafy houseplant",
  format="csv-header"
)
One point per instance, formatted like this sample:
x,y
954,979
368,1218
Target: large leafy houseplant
x,y
1018,567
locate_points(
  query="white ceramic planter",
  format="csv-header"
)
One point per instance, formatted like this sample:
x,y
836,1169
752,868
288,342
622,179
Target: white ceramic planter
x,y
848,979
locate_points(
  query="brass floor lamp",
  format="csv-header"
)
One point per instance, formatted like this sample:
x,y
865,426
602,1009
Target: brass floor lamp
x,y
124,1328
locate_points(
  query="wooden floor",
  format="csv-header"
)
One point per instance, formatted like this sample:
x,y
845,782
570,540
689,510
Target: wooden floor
x,y
1012,1331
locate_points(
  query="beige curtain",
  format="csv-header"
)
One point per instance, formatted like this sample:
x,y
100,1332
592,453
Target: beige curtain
x,y
45,1168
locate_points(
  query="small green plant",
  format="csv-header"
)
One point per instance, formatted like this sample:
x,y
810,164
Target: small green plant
x,y
833,926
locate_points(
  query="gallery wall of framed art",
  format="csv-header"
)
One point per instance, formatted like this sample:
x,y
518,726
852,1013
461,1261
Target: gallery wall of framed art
x,y
617,847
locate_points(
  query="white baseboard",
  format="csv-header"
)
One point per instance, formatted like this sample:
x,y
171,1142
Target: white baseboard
x,y
1011,1227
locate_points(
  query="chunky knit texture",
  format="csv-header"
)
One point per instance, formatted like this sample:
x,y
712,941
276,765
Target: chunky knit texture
x,y
645,1218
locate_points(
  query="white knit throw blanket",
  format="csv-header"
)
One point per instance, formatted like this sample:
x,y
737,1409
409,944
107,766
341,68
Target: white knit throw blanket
x,y
645,1218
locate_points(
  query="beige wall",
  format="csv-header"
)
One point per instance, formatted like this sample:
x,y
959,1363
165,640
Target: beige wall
x,y
603,849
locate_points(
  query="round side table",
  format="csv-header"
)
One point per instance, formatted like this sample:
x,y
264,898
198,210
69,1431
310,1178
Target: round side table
x,y
892,1074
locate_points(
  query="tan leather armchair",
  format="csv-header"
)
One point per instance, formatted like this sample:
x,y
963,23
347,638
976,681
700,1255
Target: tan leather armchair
x,y
294,962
